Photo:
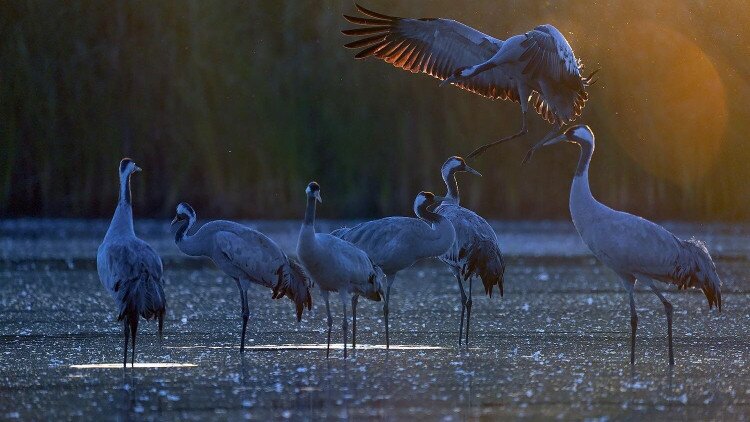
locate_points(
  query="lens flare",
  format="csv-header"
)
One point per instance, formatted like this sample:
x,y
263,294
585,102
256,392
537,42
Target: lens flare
x,y
673,116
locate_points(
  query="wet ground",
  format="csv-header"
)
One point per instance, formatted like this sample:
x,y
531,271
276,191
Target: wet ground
x,y
556,346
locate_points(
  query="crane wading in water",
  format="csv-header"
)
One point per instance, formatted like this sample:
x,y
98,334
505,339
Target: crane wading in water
x,y
536,67
246,255
336,265
635,248
129,268
476,251
396,243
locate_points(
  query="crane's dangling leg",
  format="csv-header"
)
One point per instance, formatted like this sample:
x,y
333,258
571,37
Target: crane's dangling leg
x,y
457,274
668,311
390,278
330,321
355,298
245,313
133,332
524,109
468,312
345,323
127,339
628,282
547,137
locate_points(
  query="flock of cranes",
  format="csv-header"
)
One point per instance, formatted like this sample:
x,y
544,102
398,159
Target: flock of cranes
x,y
537,68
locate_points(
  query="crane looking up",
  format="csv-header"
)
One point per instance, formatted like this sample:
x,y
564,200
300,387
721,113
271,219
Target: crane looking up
x,y
635,248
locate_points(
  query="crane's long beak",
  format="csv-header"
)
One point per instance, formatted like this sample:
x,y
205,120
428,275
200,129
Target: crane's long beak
x,y
174,220
543,143
472,171
317,197
557,139
136,169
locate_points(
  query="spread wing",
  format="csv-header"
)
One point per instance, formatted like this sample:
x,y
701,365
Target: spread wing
x,y
549,55
549,58
436,47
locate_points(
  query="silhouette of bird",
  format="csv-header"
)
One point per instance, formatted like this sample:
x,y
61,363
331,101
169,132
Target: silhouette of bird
x,y
635,248
476,251
129,268
246,255
395,243
336,266
536,67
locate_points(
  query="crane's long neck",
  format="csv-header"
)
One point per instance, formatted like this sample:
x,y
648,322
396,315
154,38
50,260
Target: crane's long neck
x,y
187,243
443,232
451,186
122,220
307,232
580,192
310,213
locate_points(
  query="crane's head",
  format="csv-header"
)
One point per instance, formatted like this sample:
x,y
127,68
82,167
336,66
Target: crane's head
x,y
373,290
578,134
456,164
313,191
460,74
128,167
424,201
184,213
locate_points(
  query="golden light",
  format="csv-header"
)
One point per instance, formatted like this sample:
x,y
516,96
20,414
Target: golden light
x,y
671,111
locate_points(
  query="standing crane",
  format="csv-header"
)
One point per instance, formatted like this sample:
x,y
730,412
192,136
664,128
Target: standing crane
x,y
537,67
395,243
336,266
246,255
635,248
129,268
476,251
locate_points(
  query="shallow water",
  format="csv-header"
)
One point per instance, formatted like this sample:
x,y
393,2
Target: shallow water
x,y
555,346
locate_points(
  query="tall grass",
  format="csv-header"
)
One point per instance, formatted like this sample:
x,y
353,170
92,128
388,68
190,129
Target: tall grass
x,y
234,106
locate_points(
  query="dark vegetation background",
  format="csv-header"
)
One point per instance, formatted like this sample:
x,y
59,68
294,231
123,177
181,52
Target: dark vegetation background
x,y
234,106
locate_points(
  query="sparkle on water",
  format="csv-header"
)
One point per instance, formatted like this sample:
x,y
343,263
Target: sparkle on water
x,y
555,346
317,346
137,365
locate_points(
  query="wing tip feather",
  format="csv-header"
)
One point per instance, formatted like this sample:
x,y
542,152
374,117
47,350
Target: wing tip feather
x,y
373,14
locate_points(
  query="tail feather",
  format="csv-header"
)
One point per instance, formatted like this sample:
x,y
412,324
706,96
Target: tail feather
x,y
696,269
294,283
483,259
142,296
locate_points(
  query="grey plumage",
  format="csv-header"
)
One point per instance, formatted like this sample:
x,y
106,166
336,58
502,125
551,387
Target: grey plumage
x,y
538,66
395,243
635,248
476,250
129,268
246,255
336,266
